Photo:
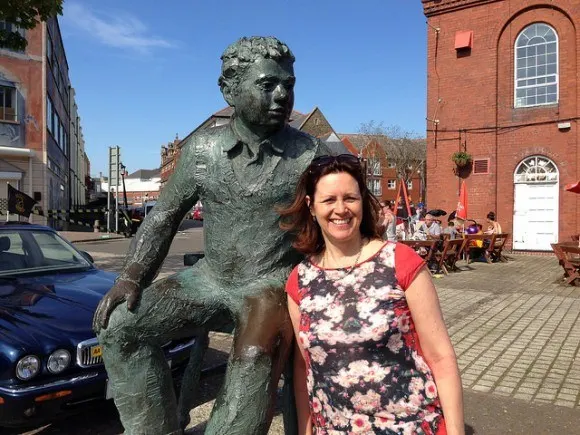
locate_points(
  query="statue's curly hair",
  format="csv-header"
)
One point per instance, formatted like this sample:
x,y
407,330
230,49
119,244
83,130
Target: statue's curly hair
x,y
242,53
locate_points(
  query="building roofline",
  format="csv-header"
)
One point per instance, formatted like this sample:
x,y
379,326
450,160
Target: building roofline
x,y
438,7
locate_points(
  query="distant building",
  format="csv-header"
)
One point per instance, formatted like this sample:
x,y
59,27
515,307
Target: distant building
x,y
141,186
38,116
503,86
314,123
382,179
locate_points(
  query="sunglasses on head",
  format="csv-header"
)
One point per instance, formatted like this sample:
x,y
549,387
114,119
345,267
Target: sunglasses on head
x,y
329,160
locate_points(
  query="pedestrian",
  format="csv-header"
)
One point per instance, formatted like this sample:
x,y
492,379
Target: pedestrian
x,y
373,352
389,222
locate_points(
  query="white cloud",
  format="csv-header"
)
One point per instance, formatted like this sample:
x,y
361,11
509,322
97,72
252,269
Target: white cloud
x,y
121,30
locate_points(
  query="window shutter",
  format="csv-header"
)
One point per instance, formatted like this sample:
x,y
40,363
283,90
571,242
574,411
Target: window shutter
x,y
481,166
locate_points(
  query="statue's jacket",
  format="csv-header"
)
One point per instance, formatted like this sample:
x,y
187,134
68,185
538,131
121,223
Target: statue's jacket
x,y
243,243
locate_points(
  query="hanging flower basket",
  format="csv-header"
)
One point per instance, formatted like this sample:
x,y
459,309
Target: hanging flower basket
x,y
461,159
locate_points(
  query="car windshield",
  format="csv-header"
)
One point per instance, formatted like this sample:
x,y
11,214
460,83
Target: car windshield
x,y
24,250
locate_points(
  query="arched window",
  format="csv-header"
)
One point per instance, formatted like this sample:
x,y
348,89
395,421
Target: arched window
x,y
536,66
536,169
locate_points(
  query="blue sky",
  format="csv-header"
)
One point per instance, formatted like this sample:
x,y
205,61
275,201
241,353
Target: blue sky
x,y
144,72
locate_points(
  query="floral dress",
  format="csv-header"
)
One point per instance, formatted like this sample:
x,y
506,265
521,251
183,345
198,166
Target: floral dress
x,y
365,369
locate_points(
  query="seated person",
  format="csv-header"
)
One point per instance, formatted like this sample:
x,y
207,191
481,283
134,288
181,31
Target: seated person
x,y
451,230
493,227
430,227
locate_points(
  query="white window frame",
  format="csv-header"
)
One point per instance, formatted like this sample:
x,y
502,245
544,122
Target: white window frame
x,y
14,94
374,185
520,102
409,184
391,184
374,166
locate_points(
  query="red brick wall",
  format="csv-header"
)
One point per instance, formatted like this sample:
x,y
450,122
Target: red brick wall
x,y
374,150
472,97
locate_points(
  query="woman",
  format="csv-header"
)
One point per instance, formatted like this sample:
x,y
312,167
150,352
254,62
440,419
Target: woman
x,y
373,354
493,227
389,222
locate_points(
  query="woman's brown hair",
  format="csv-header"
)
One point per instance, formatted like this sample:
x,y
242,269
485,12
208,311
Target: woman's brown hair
x,y
297,219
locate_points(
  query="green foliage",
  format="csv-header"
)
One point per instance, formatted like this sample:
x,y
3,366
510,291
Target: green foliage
x,y
25,14
461,158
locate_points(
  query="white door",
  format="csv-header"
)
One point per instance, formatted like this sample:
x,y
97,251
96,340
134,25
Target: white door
x,y
535,205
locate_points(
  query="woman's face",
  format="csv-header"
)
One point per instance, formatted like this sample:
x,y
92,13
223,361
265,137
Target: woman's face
x,y
337,207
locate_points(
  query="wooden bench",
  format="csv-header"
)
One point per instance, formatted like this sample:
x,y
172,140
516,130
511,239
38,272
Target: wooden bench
x,y
471,247
568,255
491,246
495,248
450,254
425,248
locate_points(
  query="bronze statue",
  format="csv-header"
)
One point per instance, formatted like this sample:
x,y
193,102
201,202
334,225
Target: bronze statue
x,y
241,172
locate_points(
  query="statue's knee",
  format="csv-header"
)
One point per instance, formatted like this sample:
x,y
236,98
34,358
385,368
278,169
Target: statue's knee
x,y
118,328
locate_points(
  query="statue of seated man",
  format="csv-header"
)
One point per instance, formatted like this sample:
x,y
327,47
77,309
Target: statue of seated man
x,y
241,171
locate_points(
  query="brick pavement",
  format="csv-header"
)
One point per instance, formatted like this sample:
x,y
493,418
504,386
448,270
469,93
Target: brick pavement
x,y
515,327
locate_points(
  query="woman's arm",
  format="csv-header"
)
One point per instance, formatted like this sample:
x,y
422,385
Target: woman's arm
x,y
437,348
300,389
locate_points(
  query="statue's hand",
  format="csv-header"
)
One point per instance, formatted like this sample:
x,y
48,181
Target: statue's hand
x,y
120,292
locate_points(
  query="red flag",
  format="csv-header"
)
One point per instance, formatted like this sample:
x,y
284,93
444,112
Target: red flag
x,y
462,203
574,187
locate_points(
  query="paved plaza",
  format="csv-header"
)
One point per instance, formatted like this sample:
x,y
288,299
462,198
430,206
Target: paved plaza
x,y
515,327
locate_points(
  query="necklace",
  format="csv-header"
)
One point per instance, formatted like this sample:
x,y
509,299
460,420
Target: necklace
x,y
350,269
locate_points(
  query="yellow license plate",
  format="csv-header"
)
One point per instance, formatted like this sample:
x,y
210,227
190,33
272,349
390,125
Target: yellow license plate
x,y
96,351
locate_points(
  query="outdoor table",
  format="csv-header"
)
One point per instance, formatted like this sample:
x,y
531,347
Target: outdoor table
x,y
429,248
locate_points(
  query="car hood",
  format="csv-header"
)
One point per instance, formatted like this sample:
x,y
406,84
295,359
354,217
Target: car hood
x,y
38,313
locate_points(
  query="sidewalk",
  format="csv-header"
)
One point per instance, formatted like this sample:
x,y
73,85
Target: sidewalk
x,y
87,236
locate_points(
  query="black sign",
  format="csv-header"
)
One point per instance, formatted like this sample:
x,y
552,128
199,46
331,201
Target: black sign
x,y
19,202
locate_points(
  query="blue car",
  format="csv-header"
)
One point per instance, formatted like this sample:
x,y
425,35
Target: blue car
x,y
50,361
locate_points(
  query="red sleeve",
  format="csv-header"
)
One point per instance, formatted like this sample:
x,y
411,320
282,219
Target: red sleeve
x,y
407,264
292,285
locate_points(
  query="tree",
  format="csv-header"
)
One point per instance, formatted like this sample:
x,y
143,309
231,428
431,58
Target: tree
x,y
405,149
23,14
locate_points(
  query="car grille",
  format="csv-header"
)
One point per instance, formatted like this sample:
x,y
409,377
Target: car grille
x,y
84,358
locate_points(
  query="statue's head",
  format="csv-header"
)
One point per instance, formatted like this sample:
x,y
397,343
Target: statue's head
x,y
257,79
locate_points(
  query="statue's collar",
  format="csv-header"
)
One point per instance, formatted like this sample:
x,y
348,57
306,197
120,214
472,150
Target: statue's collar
x,y
275,142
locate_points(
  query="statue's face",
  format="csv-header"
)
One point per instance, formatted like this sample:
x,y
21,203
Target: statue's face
x,y
265,95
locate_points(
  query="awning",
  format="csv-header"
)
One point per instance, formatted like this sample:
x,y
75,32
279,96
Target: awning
x,y
13,151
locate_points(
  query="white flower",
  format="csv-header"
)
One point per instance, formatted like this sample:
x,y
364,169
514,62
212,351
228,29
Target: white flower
x,y
335,312
360,424
365,307
318,355
384,420
308,274
403,322
368,402
395,343
430,389
317,303
316,406
360,370
416,385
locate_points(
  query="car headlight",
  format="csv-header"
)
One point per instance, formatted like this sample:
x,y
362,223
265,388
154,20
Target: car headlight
x,y
58,361
28,367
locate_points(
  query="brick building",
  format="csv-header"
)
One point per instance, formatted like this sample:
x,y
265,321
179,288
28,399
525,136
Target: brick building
x,y
314,123
382,177
503,86
38,115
